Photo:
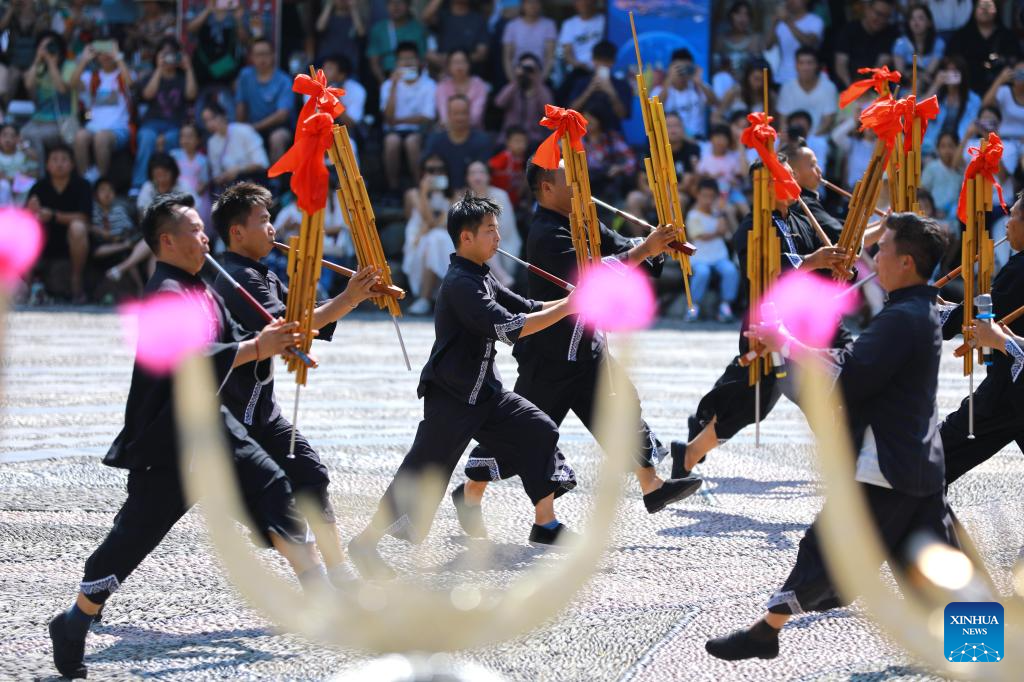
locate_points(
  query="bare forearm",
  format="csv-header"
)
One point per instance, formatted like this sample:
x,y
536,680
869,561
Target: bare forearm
x,y
543,319
332,311
246,353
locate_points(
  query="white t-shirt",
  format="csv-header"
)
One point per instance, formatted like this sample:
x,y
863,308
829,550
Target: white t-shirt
x,y
690,104
582,35
107,102
788,44
411,99
242,146
354,99
712,250
819,102
724,169
1012,126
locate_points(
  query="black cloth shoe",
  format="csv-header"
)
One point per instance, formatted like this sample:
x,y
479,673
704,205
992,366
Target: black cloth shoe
x,y
539,535
672,490
68,654
679,469
368,561
470,516
759,641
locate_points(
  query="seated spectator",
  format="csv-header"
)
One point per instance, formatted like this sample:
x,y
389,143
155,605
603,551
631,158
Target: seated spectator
x,y
459,81
425,256
114,237
610,159
722,162
748,94
599,91
950,15
708,227
685,151
22,20
459,145
338,71
164,177
195,170
737,42
919,38
798,126
943,176
529,33
579,34
958,104
407,103
62,202
167,93
76,22
1007,95
811,91
158,21
865,43
523,98
640,202
459,27
105,88
986,46
989,120
340,29
17,167
235,150
685,93
478,181
794,28
508,167
219,33
387,37
264,99
55,114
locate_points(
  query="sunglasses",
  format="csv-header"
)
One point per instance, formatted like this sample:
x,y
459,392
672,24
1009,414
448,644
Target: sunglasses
x,y
434,169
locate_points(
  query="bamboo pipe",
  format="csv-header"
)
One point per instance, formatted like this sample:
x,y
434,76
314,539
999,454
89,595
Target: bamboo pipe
x,y
557,281
839,190
955,272
814,223
392,291
683,247
1006,321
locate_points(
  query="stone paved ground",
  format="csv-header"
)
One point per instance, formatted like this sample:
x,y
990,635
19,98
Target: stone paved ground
x,y
668,581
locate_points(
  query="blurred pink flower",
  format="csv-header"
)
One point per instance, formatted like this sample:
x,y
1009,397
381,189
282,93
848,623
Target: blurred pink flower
x,y
21,242
810,306
164,329
615,298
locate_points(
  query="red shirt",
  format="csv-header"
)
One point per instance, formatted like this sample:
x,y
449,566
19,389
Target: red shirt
x,y
508,173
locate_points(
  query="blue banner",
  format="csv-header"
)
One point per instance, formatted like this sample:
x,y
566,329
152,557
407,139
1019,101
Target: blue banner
x,y
662,26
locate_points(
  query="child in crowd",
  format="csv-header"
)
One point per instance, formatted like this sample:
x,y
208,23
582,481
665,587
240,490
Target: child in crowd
x,y
193,168
942,177
725,164
113,235
17,167
708,225
508,167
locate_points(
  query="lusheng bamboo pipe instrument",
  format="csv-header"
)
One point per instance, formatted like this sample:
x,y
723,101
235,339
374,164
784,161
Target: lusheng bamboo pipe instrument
x,y
557,281
661,168
864,198
392,291
583,222
1006,321
682,247
955,272
842,192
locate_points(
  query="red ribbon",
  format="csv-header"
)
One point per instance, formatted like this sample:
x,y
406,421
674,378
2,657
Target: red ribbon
x,y
562,121
313,137
986,164
879,80
885,117
926,110
760,136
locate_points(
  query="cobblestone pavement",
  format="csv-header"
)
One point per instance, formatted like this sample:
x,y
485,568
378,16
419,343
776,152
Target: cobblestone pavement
x,y
668,581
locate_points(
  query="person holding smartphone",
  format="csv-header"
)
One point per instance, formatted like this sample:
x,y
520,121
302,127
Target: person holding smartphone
x,y
685,93
425,256
522,100
958,104
600,91
103,82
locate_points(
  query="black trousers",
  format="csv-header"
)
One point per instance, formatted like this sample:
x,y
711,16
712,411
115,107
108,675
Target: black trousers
x,y
732,399
306,473
897,517
156,500
518,437
557,387
993,430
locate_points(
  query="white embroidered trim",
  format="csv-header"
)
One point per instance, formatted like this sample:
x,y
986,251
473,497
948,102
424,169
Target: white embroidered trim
x,y
1014,351
401,523
563,473
789,599
656,455
794,259
108,584
483,373
489,462
250,409
833,360
502,330
945,310
615,263
574,342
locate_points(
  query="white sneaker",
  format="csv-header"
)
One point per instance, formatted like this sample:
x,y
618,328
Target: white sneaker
x,y
420,306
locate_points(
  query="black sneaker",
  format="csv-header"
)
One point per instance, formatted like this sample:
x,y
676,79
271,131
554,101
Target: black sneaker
x,y
742,644
98,618
68,654
672,490
368,561
539,535
470,516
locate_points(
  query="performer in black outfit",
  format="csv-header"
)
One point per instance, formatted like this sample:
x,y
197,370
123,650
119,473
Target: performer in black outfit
x,y
807,174
999,398
730,405
148,445
559,371
242,218
464,398
888,380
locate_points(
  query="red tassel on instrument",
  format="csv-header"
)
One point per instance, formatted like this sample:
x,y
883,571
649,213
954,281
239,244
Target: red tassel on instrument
x,y
562,121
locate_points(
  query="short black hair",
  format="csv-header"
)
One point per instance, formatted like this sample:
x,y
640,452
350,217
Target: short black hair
x,y
162,215
214,107
468,213
708,183
58,146
536,174
758,164
921,238
682,55
604,50
721,129
262,39
458,97
807,51
165,161
514,130
5,126
343,63
951,134
167,41
102,180
235,204
800,113
407,46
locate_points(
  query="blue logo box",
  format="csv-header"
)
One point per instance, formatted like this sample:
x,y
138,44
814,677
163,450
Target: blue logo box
x,y
974,632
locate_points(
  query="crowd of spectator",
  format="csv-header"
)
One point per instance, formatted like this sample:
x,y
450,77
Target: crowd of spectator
x,y
108,103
